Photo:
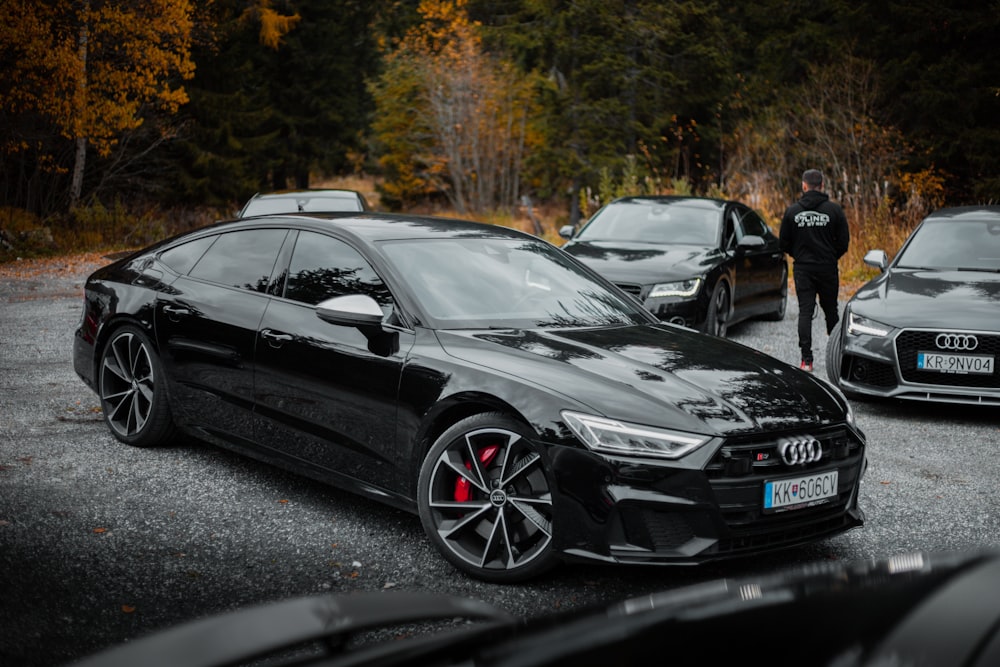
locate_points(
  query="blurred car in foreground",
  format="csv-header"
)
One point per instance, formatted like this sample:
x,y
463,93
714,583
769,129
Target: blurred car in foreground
x,y
928,327
523,406
304,201
700,262
931,610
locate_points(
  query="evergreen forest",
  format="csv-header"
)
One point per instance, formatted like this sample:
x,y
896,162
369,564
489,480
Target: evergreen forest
x,y
124,120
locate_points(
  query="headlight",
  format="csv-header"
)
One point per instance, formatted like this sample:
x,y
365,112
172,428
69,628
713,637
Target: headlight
x,y
857,325
686,288
615,437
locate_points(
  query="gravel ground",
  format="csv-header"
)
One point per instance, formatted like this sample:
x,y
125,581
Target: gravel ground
x,y
101,543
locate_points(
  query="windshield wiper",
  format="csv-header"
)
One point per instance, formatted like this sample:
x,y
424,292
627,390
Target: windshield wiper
x,y
982,269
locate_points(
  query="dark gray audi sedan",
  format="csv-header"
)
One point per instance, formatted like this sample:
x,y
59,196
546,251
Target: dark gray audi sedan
x,y
927,328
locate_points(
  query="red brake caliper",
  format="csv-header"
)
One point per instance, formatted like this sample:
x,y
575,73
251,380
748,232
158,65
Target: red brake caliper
x,y
462,485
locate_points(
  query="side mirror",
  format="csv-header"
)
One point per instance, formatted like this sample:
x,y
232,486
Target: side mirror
x,y
751,241
878,259
362,312
566,231
353,310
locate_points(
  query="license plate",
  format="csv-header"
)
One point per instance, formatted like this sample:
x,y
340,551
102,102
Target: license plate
x,y
797,492
955,363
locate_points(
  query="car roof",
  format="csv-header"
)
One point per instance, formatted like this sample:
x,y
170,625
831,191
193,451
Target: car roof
x,y
380,226
679,200
966,213
297,194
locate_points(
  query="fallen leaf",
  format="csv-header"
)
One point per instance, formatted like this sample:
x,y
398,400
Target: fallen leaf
x,y
127,608
100,530
885,482
283,501
354,575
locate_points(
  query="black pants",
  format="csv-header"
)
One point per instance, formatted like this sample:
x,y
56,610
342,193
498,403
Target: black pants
x,y
810,282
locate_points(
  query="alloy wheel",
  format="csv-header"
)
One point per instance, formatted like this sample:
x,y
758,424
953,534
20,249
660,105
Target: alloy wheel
x,y
720,311
127,384
487,503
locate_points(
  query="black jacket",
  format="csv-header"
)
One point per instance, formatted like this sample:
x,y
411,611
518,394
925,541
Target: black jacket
x,y
814,230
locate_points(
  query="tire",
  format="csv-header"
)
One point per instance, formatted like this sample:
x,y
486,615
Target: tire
x,y
717,320
498,531
779,313
132,390
834,354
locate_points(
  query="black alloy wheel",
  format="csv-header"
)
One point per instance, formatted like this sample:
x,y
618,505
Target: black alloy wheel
x,y
133,399
717,322
485,500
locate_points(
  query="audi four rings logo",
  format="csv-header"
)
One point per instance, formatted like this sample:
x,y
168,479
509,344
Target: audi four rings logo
x,y
806,450
965,342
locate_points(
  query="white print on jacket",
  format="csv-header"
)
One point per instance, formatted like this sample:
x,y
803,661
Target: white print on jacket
x,y
812,219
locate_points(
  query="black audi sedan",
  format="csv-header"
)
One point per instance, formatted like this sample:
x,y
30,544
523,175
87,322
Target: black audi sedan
x,y
701,262
928,327
525,408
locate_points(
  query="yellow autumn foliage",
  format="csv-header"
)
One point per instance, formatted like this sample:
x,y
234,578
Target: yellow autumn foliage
x,y
88,69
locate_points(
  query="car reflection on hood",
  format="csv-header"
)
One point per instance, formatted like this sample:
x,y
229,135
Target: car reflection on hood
x,y
913,609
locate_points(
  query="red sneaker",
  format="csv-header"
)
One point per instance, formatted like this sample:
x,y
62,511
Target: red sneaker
x,y
806,366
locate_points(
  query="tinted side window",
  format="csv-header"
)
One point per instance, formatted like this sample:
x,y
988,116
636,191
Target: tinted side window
x,y
181,258
241,259
323,267
753,224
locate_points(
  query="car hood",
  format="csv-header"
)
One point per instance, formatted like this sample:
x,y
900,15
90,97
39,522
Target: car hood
x,y
935,299
657,375
644,262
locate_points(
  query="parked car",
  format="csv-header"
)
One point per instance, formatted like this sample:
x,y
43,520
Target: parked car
x,y
701,262
928,327
522,405
304,201
933,610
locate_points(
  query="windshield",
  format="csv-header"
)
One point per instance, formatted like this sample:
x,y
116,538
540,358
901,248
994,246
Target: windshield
x,y
654,222
480,283
954,244
306,204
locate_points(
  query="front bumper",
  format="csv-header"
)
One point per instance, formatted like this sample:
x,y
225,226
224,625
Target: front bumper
x,y
686,311
885,367
632,511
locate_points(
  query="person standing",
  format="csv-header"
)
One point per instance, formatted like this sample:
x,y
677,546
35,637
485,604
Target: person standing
x,y
815,234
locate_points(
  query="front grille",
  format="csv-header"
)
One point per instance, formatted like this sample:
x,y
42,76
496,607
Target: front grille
x,y
737,474
634,290
909,343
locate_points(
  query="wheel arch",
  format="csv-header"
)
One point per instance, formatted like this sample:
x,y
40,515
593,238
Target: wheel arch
x,y
108,329
449,413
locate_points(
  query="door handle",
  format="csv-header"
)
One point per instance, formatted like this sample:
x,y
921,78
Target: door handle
x,y
275,336
176,312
